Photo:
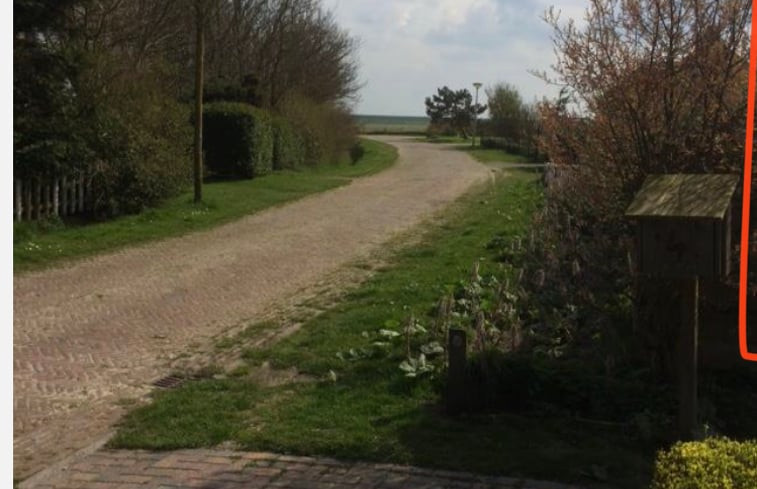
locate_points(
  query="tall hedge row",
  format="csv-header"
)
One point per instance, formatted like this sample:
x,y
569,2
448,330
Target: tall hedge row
x,y
241,141
288,145
237,139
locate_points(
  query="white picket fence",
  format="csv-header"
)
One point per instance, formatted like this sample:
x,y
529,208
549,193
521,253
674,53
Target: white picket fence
x,y
37,199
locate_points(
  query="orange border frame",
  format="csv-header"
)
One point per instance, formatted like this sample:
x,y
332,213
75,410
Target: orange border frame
x,y
743,347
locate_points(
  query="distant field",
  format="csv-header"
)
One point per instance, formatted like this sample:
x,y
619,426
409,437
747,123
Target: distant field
x,y
387,124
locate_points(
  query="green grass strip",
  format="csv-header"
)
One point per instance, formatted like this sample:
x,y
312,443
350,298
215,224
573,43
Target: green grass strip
x,y
367,409
39,245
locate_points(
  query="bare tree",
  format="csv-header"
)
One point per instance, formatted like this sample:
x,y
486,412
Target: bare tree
x,y
200,12
650,86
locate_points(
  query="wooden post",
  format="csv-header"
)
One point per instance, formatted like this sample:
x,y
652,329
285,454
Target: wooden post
x,y
45,191
64,192
56,197
72,197
687,358
37,199
42,200
17,199
81,194
200,11
89,204
456,350
28,201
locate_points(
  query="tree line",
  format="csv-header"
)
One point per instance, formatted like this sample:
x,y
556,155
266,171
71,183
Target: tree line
x,y
512,124
105,88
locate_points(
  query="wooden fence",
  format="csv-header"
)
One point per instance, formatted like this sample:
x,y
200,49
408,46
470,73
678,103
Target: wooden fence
x,y
37,198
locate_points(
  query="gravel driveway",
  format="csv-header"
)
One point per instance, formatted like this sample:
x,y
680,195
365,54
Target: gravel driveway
x,y
89,335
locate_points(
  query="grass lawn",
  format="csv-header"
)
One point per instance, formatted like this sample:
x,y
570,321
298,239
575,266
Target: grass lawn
x,y
367,409
481,154
38,246
493,155
444,140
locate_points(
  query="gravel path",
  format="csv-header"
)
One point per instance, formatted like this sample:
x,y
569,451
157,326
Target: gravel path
x,y
89,335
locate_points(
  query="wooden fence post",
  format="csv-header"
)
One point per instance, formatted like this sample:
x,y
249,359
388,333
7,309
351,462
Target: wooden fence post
x,y
50,199
37,198
28,200
72,201
45,199
81,194
56,197
17,200
90,202
687,358
64,194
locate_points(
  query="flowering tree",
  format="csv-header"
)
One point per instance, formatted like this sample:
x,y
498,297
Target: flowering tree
x,y
649,86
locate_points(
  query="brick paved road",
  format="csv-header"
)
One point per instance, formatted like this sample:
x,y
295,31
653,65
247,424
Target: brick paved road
x,y
211,469
90,334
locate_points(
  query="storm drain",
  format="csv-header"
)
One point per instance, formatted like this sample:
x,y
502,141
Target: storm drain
x,y
169,382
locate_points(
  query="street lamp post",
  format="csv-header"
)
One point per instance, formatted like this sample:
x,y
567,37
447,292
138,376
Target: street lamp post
x,y
477,85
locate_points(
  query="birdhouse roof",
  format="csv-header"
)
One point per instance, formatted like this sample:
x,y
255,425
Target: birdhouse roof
x,y
692,196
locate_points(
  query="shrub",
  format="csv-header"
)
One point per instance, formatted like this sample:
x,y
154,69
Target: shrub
x,y
328,130
617,124
357,151
141,140
123,131
515,382
716,463
288,145
237,140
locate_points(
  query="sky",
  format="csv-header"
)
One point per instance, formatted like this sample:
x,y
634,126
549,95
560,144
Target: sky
x,y
409,48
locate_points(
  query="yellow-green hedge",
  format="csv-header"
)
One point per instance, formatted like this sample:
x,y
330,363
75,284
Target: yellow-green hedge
x,y
716,463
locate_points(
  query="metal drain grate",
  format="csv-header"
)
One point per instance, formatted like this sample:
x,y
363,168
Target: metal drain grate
x,y
169,382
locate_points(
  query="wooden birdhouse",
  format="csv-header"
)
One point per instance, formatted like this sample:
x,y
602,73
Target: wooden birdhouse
x,y
684,224
684,233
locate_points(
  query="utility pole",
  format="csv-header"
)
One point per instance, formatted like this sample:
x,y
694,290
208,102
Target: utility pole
x,y
477,85
199,69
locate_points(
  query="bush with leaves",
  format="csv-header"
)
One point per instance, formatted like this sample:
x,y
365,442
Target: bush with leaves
x,y
238,140
145,150
328,130
83,110
712,463
357,151
671,101
288,145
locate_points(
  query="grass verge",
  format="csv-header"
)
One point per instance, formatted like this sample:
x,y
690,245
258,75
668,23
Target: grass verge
x,y
494,155
39,245
367,409
484,155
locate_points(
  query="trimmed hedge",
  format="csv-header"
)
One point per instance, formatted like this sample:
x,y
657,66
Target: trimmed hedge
x,y
716,463
237,140
288,145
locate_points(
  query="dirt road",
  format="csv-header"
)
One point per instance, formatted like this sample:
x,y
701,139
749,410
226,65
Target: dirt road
x,y
89,335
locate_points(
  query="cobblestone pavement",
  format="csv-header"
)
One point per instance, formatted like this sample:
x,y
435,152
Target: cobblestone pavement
x,y
89,336
212,469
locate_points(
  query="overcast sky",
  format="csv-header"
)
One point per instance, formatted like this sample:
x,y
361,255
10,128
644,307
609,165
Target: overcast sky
x,y
411,47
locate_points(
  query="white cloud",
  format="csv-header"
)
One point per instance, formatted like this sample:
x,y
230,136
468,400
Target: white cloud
x,y
411,47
